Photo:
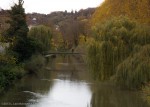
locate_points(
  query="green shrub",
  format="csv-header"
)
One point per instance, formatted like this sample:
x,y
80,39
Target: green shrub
x,y
7,60
8,74
35,64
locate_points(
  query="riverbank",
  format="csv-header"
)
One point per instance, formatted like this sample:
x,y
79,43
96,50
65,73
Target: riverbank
x,y
10,72
9,75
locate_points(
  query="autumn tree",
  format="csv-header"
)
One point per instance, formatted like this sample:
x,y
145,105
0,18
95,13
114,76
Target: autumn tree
x,y
134,9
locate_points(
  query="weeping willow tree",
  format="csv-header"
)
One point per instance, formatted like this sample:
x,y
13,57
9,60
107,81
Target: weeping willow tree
x,y
120,49
100,59
43,35
111,46
135,70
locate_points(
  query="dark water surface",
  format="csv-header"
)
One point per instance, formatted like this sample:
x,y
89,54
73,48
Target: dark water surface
x,y
66,84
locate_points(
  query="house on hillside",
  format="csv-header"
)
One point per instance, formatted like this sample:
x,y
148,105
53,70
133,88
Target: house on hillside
x,y
34,23
3,46
57,27
1,49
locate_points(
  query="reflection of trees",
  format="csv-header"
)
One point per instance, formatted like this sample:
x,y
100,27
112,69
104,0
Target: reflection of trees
x,y
31,83
108,96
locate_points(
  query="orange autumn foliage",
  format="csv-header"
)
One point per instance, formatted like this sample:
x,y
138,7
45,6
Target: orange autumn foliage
x,y
134,9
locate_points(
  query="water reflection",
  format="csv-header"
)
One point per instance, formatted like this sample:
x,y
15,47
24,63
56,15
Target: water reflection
x,y
66,93
66,84
107,95
27,90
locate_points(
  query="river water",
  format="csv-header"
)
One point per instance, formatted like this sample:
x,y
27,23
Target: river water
x,y
65,82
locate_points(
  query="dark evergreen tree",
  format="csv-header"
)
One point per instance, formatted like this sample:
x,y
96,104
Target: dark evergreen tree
x,y
21,46
18,26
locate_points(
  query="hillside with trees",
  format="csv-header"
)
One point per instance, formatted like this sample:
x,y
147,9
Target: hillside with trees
x,y
134,9
70,25
3,18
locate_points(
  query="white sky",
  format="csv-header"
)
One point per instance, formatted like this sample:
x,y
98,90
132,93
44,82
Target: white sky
x,y
47,6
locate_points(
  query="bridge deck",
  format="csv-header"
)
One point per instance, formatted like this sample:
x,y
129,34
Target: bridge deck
x,y
54,53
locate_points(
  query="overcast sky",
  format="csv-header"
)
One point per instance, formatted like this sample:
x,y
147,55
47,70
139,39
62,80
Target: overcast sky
x,y
47,6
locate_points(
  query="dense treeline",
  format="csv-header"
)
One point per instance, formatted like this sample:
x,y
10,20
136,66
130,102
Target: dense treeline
x,y
69,24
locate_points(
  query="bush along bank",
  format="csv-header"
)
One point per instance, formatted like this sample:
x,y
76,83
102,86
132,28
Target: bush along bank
x,y
9,71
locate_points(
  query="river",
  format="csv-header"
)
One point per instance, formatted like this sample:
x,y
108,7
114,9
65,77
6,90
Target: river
x,y
66,83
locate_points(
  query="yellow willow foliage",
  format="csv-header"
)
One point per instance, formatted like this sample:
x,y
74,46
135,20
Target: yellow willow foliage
x,y
82,39
58,41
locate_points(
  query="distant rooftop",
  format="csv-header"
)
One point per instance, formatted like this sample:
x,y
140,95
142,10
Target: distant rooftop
x,y
0,9
34,19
